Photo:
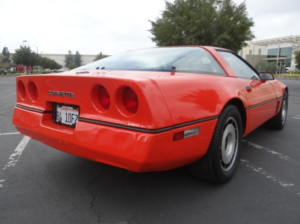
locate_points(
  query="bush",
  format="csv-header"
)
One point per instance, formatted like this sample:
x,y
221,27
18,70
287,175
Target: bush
x,y
265,66
295,72
37,72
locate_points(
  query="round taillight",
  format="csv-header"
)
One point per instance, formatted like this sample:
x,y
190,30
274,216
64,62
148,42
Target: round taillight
x,y
130,100
21,90
103,97
32,91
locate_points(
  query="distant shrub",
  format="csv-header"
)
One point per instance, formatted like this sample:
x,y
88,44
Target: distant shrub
x,y
265,66
295,72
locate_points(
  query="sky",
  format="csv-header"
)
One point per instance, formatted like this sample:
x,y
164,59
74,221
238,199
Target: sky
x,y
115,26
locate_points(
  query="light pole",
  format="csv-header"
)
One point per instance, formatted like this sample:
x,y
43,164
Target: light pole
x,y
24,46
37,49
37,52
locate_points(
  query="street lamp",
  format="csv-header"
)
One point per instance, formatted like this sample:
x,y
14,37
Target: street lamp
x,y
37,52
24,42
37,49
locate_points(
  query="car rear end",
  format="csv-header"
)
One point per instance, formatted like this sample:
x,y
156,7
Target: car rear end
x,y
116,120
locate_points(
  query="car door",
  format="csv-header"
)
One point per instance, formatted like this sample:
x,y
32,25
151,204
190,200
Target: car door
x,y
260,95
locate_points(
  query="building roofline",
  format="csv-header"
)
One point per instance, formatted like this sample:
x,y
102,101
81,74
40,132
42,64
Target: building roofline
x,y
45,54
286,39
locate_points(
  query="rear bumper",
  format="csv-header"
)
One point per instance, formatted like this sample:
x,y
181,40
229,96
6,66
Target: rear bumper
x,y
132,150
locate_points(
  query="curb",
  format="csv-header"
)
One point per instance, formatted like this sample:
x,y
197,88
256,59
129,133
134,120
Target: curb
x,y
10,75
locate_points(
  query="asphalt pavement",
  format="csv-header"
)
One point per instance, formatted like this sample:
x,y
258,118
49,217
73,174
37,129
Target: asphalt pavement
x,y
39,184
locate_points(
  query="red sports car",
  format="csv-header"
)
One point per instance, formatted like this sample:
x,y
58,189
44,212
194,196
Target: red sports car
x,y
154,109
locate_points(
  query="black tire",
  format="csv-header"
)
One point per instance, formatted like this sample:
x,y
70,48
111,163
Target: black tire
x,y
222,157
279,120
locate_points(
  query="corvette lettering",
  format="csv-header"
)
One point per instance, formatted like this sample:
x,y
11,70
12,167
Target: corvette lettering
x,y
63,94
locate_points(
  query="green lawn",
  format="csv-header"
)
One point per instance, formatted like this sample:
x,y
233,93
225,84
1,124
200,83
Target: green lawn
x,y
288,75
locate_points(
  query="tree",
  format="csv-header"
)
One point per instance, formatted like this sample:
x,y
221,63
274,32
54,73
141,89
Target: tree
x,y
297,58
4,65
44,62
48,63
72,61
69,58
296,51
24,56
72,65
6,55
100,56
200,22
5,59
55,65
77,59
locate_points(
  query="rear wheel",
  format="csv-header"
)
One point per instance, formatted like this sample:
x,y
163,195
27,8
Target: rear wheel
x,y
220,161
279,120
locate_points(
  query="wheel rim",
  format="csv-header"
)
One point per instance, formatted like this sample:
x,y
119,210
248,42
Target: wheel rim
x,y
284,111
229,144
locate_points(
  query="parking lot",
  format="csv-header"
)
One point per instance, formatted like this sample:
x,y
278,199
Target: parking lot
x,y
39,184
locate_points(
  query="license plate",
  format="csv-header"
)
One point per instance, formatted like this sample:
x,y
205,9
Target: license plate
x,y
66,114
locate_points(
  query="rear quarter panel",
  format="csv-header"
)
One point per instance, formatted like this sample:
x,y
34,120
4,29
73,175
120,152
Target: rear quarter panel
x,y
197,96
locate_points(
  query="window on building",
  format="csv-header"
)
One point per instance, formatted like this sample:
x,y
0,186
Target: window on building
x,y
283,52
259,51
250,52
241,53
272,53
288,62
286,52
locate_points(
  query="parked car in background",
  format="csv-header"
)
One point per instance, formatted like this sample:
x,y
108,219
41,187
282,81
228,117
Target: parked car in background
x,y
3,71
154,109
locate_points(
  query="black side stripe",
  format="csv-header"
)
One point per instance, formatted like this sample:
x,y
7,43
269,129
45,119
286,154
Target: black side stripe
x,y
128,127
260,104
145,129
34,110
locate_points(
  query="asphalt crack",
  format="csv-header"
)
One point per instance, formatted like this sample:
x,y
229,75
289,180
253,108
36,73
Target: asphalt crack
x,y
94,198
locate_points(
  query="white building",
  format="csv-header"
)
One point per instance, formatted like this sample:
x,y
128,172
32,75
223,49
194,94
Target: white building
x,y
279,50
60,59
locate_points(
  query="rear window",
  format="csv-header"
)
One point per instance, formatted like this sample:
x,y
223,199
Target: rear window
x,y
179,59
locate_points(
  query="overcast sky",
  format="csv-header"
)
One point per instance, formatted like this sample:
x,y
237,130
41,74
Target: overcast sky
x,y
114,26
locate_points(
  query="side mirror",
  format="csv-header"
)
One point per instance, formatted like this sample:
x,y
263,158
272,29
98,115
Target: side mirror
x,y
264,76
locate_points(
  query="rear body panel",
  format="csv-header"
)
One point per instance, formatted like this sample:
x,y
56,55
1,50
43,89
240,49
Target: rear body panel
x,y
132,150
82,88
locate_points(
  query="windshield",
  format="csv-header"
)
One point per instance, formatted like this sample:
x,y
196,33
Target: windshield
x,y
181,59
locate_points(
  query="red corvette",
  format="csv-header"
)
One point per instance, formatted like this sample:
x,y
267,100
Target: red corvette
x,y
154,109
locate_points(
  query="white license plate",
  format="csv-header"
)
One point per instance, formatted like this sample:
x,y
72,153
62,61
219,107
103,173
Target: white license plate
x,y
67,115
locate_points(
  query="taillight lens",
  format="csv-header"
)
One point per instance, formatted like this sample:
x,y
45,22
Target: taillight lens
x,y
33,91
130,100
177,136
21,90
104,97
